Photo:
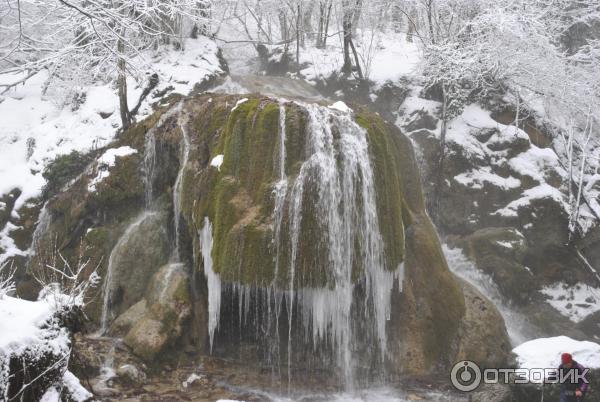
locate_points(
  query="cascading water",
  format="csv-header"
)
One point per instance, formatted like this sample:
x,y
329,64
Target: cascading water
x,y
517,327
177,189
150,152
339,166
43,224
108,290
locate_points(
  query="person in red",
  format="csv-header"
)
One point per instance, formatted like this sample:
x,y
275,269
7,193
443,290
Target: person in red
x,y
572,391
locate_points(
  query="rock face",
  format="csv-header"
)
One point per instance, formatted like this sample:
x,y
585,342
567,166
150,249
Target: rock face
x,y
484,337
498,194
294,231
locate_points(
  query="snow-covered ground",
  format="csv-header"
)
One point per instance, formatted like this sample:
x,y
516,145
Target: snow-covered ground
x,y
29,327
386,57
36,127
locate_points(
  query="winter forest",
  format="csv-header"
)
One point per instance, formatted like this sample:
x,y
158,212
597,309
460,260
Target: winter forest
x,y
324,200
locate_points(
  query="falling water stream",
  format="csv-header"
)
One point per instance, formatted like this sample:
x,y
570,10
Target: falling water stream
x,y
346,205
519,330
108,291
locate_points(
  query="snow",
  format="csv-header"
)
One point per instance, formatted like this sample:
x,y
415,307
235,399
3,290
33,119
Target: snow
x,y
51,395
576,302
8,244
415,103
36,127
217,161
535,163
20,322
341,107
392,57
476,178
192,378
542,191
107,160
76,391
243,100
545,352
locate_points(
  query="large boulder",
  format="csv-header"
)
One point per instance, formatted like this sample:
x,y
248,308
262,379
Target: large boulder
x,y
156,323
483,335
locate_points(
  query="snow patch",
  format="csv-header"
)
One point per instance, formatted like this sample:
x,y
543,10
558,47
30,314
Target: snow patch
x,y
535,193
217,161
478,177
575,302
341,107
243,100
545,352
107,161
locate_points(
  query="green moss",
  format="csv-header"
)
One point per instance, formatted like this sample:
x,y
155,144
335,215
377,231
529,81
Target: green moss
x,y
123,188
388,184
63,169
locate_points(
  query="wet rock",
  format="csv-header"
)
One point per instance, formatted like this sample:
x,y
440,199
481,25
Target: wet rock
x,y
136,258
130,374
500,253
421,120
482,334
159,323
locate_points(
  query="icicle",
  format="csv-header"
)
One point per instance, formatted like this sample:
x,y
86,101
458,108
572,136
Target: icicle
x,y
213,280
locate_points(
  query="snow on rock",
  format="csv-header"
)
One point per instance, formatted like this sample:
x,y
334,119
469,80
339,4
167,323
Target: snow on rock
x,y
51,395
20,323
243,100
576,302
192,378
217,161
535,163
543,191
476,178
7,243
106,161
545,352
74,388
341,107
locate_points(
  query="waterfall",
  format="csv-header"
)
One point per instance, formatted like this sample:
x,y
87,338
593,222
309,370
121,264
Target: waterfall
x,y
150,152
340,168
43,224
342,171
213,280
107,293
518,329
178,188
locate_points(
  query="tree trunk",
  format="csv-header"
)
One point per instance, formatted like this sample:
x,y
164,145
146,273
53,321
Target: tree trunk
x,y
347,32
430,20
298,17
122,87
